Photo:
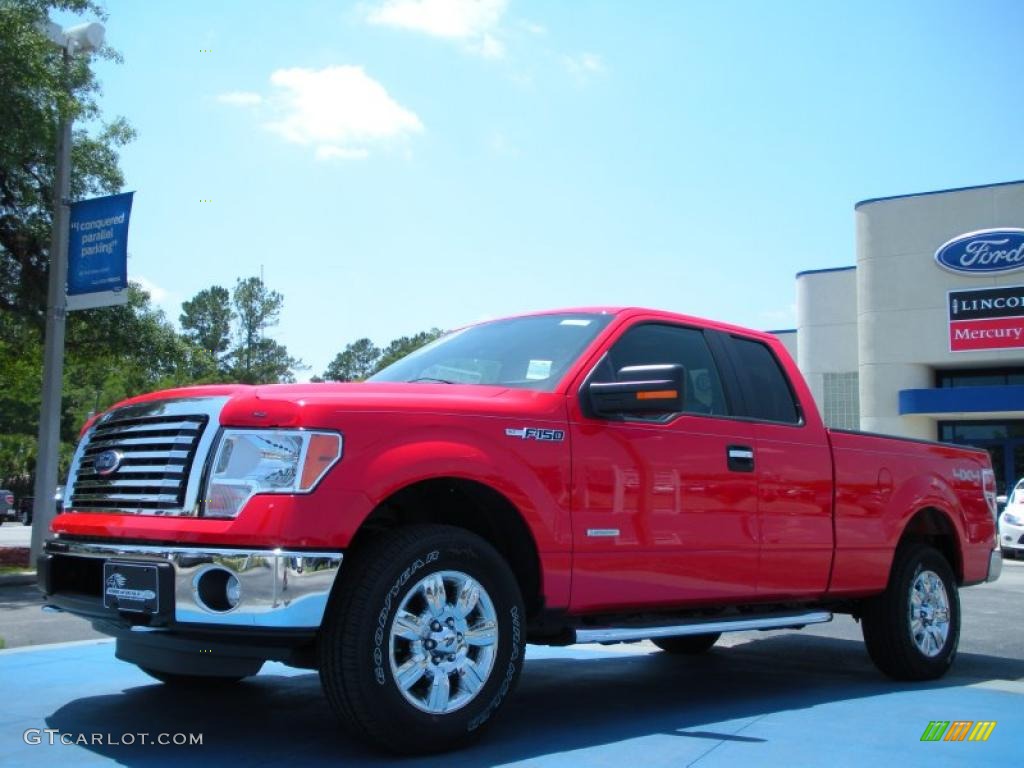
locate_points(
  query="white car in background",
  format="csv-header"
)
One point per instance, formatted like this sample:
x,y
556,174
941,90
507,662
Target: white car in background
x,y
1011,523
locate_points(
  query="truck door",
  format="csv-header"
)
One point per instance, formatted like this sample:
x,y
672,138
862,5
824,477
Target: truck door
x,y
664,505
794,467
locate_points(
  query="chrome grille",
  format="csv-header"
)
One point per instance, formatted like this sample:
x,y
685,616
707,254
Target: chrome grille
x,y
153,449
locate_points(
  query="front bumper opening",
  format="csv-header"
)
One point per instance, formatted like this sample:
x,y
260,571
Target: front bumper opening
x,y
198,587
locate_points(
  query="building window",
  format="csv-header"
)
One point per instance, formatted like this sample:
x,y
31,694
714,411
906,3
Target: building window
x,y
978,432
980,377
842,401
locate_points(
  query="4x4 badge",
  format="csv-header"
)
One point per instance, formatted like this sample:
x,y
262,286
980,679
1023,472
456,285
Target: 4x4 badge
x,y
536,433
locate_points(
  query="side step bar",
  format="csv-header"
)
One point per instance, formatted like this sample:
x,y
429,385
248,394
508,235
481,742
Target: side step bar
x,y
706,627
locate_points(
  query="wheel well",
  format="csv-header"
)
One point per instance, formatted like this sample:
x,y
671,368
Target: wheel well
x,y
934,527
470,505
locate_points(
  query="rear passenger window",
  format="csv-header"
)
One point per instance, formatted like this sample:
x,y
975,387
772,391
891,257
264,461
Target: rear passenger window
x,y
765,386
653,344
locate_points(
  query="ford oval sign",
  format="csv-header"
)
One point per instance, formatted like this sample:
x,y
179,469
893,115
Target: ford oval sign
x,y
106,463
985,252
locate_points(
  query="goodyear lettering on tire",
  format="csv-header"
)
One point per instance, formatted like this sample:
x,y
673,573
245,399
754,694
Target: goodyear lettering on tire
x,y
385,612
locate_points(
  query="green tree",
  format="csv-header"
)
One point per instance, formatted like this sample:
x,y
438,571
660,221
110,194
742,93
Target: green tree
x,y
357,361
118,352
35,91
271,364
404,345
206,320
256,359
110,354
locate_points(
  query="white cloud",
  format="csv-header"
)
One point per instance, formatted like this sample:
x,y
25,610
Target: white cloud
x,y
780,316
240,99
157,294
500,144
474,23
488,47
328,152
168,301
340,110
584,65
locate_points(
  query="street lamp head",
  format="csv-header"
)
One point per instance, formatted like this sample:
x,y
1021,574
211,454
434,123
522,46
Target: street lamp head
x,y
85,38
82,38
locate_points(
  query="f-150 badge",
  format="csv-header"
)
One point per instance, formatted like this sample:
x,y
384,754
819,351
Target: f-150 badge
x,y
536,433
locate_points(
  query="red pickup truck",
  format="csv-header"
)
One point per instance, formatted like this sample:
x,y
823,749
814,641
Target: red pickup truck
x,y
593,475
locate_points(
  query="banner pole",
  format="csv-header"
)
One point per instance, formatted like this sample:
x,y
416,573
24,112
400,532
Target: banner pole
x,y
48,454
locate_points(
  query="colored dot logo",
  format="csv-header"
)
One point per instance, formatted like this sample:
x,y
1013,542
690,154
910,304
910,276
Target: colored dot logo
x,y
205,200
206,50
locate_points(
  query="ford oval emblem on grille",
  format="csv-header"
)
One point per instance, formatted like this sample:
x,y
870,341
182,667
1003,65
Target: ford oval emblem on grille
x,y
106,463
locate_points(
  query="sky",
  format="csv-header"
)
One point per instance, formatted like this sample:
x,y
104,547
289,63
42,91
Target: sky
x,y
396,165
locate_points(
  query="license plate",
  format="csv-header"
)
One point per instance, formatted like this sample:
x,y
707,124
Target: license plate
x,y
130,587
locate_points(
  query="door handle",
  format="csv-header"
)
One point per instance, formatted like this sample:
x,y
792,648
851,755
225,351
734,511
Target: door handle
x,y
740,458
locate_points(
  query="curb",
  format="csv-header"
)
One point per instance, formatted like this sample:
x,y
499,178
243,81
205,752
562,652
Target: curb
x,y
17,579
55,646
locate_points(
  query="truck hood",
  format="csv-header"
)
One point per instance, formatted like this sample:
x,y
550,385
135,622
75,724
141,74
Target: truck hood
x,y
289,405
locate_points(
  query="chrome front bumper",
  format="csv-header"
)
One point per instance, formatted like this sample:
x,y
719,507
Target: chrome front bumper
x,y
995,564
279,589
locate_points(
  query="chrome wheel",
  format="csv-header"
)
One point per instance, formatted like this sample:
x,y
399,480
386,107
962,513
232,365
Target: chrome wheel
x,y
443,642
929,613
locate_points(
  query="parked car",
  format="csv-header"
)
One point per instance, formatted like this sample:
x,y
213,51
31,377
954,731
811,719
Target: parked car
x,y
601,475
7,509
1011,523
27,504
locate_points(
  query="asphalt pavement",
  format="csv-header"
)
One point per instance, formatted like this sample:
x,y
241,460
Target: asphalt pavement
x,y
775,698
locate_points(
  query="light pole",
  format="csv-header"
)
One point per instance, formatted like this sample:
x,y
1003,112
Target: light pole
x,y
82,38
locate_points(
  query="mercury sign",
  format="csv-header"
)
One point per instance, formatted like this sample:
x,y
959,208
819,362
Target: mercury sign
x,y
982,253
98,252
990,318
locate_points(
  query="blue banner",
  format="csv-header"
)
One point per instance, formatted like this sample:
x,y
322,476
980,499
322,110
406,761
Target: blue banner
x,y
98,245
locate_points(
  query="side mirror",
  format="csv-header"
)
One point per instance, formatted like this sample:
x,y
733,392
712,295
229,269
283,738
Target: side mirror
x,y
640,389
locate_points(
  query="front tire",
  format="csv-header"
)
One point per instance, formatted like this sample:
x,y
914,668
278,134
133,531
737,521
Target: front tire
x,y
424,640
687,645
912,630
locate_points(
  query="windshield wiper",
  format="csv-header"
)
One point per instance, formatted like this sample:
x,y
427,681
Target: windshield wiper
x,y
429,378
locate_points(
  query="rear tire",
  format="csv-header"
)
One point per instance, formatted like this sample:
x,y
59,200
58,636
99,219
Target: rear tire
x,y
25,519
687,645
912,630
177,680
423,640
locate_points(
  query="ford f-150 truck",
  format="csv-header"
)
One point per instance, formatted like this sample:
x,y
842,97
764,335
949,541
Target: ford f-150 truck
x,y
594,475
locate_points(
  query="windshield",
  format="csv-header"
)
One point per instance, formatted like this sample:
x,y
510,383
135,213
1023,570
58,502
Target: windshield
x,y
529,352
1018,494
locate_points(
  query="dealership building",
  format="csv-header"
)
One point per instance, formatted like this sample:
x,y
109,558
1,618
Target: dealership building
x,y
924,336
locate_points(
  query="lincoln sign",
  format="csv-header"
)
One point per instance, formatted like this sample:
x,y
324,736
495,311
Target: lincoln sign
x,y
988,318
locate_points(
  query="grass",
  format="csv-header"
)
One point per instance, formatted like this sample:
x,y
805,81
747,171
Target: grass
x,y
13,569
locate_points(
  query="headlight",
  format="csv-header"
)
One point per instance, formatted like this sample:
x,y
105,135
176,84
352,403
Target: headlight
x,y
1011,518
250,461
